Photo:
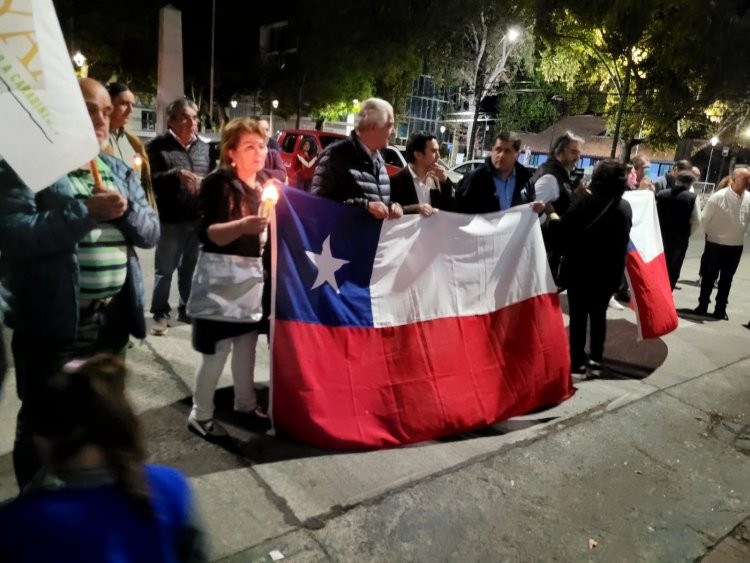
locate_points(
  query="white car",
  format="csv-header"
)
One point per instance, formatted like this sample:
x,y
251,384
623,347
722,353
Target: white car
x,y
394,159
457,172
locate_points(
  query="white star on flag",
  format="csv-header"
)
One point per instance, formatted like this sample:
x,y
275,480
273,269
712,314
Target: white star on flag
x,y
327,265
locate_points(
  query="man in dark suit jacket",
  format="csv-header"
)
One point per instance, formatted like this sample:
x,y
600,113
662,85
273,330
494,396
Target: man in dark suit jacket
x,y
500,183
422,186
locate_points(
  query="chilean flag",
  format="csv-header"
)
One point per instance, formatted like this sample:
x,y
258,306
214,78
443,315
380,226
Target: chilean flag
x,y
646,269
393,332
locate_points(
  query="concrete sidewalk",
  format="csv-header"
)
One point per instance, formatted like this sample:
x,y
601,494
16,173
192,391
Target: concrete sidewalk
x,y
648,463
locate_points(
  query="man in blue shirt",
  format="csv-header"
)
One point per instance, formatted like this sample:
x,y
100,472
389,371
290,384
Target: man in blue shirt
x,y
501,183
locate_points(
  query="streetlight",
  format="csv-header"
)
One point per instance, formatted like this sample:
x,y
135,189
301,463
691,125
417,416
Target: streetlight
x,y
355,103
513,34
714,142
442,130
274,105
233,103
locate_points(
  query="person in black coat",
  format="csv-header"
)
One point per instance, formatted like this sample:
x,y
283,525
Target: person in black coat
x,y
352,170
594,236
422,186
501,183
679,217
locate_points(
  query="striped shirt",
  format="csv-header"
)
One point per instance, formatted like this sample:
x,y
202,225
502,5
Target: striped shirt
x,y
102,253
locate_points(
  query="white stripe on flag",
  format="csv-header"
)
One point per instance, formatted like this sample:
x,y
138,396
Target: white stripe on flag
x,y
453,265
645,232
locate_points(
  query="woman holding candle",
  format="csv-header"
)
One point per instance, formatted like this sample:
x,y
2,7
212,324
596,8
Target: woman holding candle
x,y
230,224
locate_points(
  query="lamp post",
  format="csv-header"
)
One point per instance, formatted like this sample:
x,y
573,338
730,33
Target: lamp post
x,y
556,100
714,142
274,105
442,131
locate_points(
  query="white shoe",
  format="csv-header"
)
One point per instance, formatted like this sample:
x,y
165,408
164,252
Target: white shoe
x,y
615,304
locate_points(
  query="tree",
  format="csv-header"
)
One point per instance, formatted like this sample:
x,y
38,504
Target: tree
x,y
665,80
490,51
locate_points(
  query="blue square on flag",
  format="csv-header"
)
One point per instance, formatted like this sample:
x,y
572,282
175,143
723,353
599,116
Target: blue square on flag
x,y
324,263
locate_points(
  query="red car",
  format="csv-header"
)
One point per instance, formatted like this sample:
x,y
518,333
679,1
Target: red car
x,y
290,141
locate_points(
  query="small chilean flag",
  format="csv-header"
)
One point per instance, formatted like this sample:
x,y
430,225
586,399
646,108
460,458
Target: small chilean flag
x,y
392,332
646,269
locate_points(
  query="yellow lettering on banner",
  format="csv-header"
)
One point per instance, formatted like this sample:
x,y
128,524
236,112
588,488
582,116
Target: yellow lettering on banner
x,y
30,55
6,8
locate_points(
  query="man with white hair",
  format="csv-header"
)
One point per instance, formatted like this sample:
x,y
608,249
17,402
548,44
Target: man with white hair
x,y
352,170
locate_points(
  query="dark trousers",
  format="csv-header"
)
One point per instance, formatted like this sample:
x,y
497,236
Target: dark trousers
x,y
719,262
586,305
675,256
100,330
177,250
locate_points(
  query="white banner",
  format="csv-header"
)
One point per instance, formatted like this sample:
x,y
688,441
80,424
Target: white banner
x,y
46,130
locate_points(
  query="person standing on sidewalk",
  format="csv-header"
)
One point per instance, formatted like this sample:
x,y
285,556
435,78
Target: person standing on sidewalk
x,y
726,217
679,217
71,269
594,236
179,161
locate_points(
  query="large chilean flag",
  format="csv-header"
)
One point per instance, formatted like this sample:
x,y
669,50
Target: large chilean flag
x,y
392,332
646,269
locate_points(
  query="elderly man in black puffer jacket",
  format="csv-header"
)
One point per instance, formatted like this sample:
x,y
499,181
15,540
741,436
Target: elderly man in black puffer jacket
x,y
352,170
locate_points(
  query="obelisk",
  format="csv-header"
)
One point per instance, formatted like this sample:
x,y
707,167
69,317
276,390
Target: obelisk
x,y
170,82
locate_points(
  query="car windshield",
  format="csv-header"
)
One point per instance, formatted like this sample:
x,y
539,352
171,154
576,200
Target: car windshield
x,y
326,140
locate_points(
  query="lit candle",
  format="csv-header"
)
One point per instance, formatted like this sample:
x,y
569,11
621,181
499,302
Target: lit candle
x,y
137,164
268,200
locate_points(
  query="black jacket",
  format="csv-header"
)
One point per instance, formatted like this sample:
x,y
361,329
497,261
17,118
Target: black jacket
x,y
404,192
176,203
348,174
675,208
594,246
476,191
567,196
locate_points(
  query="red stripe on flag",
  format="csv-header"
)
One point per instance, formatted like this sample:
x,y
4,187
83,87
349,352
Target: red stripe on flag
x,y
358,388
652,294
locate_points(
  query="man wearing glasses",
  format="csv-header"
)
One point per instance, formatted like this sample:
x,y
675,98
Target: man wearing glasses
x,y
179,161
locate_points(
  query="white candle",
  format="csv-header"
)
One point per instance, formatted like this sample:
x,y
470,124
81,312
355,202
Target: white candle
x,y
268,200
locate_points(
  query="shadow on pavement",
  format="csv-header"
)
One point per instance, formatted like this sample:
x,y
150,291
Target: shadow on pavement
x,y
170,442
622,348
692,316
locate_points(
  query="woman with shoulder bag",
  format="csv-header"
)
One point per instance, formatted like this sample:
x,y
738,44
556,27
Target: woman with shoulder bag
x,y
225,300
595,233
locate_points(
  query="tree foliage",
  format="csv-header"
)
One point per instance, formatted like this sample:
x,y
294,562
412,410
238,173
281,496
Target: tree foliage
x,y
659,63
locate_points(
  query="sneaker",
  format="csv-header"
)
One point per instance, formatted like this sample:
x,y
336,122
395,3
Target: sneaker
x,y
615,304
593,369
701,310
579,373
207,429
161,326
255,412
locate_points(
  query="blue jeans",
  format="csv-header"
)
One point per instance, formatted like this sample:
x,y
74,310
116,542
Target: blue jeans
x,y
177,249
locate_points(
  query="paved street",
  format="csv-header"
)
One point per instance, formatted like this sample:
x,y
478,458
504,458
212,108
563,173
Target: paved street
x,y
651,462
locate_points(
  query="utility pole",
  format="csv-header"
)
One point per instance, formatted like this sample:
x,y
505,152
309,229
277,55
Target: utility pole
x,y
211,79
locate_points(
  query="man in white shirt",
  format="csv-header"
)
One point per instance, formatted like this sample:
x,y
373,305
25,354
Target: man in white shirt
x,y
725,219
422,186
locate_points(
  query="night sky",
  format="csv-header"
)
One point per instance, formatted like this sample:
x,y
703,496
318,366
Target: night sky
x,y
131,30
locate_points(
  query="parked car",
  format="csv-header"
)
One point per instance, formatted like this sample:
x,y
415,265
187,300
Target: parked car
x,y
457,172
394,159
291,139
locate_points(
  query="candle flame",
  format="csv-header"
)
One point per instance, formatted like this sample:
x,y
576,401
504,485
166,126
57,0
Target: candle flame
x,y
270,193
137,160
